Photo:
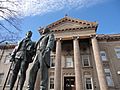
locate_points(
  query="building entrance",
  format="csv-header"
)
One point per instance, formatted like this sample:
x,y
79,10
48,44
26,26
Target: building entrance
x,y
69,83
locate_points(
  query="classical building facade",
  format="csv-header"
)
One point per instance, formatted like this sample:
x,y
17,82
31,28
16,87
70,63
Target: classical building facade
x,y
80,60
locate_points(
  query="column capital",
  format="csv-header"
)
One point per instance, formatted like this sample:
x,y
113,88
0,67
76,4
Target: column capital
x,y
58,39
93,36
75,37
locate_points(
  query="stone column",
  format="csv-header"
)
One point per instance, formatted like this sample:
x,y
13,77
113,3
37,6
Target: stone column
x,y
99,67
57,78
78,77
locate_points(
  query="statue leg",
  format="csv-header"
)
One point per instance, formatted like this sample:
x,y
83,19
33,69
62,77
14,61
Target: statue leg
x,y
33,75
44,77
23,69
14,74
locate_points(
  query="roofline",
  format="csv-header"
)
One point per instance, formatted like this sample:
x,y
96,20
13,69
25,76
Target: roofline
x,y
108,36
8,46
70,19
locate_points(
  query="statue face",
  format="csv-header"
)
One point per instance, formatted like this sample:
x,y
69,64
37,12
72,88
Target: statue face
x,y
28,34
45,30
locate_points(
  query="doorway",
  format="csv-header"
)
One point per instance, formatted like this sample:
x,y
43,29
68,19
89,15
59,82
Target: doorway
x,y
69,83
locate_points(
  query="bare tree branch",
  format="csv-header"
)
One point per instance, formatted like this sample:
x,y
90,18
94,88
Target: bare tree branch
x,y
9,15
10,22
2,41
5,28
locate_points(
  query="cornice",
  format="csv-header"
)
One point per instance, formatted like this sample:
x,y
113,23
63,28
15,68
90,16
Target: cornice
x,y
73,29
108,37
7,46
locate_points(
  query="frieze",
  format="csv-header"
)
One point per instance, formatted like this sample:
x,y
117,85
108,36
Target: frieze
x,y
87,73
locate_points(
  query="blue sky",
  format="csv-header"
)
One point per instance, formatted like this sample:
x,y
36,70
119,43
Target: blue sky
x,y
105,12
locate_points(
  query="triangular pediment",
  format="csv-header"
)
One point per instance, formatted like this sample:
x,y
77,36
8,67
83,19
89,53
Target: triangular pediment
x,y
66,25
68,22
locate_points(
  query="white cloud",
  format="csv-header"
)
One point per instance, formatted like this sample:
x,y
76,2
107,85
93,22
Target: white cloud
x,y
40,7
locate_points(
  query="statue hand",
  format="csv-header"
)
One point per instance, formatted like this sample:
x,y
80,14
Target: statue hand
x,y
46,50
12,59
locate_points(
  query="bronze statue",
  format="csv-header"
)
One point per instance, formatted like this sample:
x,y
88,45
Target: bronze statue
x,y
22,56
42,60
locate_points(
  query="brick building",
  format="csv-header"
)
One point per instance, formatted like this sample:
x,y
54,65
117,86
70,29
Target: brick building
x,y
80,60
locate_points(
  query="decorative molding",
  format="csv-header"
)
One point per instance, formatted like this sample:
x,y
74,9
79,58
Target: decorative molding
x,y
106,64
93,36
73,29
108,37
89,25
51,73
7,46
69,19
68,73
76,37
58,39
87,73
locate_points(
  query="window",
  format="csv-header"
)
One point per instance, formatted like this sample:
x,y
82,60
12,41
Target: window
x,y
1,77
51,83
52,63
117,50
85,60
0,51
103,55
108,77
88,83
69,62
7,59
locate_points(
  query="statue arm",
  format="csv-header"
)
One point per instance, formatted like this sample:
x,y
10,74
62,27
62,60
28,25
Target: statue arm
x,y
50,43
16,49
33,48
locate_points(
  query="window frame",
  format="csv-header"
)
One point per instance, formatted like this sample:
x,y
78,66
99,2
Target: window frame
x,y
88,59
103,58
72,62
52,61
107,70
117,49
91,79
7,59
51,77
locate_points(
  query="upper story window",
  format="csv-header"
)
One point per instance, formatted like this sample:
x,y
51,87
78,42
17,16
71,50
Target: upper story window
x,y
1,77
52,62
117,51
0,51
103,55
108,77
7,59
88,83
85,60
69,61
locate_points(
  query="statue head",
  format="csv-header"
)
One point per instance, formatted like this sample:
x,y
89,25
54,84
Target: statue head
x,y
45,30
29,34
